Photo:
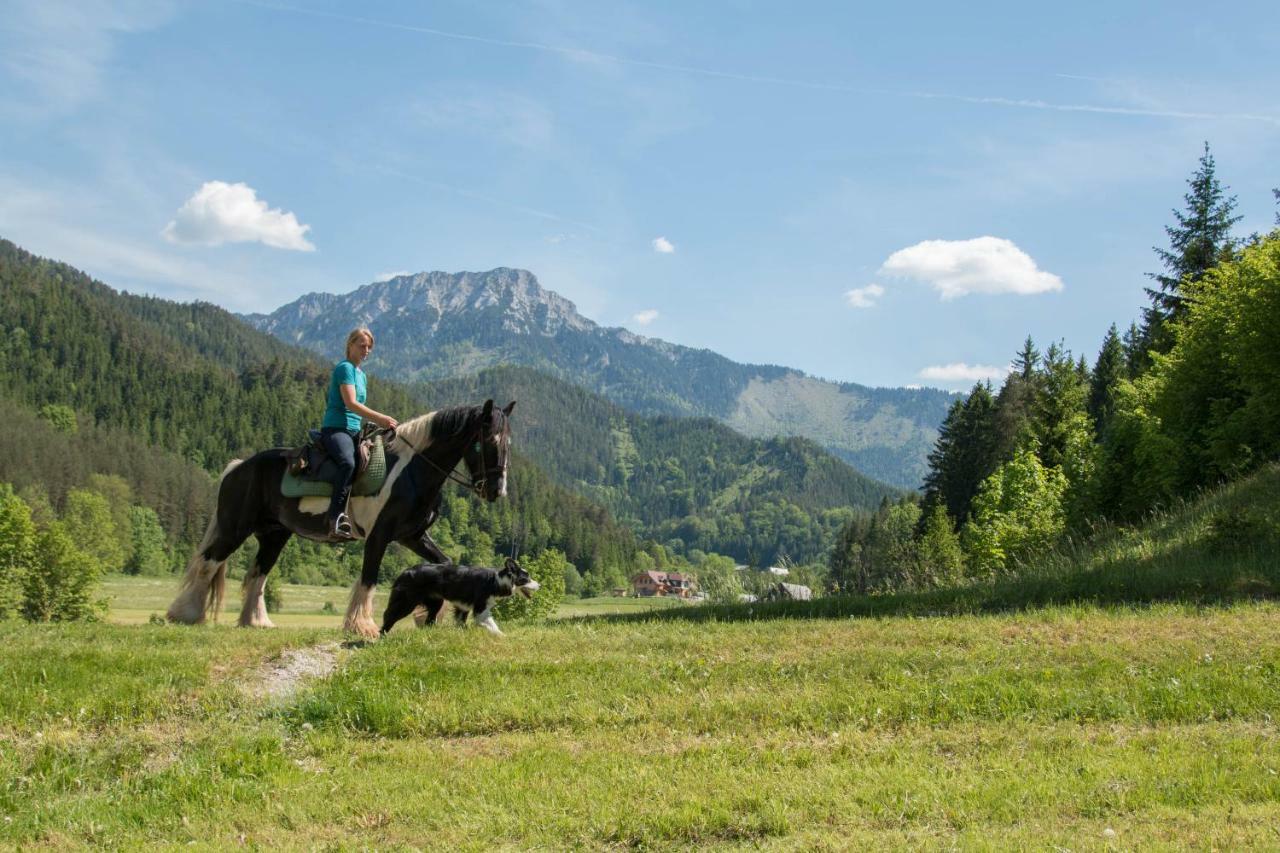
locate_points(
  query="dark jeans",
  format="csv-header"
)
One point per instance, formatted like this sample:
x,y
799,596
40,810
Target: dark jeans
x,y
341,447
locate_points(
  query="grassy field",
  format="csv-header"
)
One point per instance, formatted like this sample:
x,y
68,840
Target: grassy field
x,y
134,600
983,718
1077,727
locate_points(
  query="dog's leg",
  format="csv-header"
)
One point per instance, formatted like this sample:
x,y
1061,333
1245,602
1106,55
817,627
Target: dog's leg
x,y
425,616
460,613
484,619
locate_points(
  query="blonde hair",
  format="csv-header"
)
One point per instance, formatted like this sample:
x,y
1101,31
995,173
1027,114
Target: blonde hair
x,y
357,333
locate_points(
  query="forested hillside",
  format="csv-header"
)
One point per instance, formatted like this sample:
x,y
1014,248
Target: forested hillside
x,y
691,483
1185,400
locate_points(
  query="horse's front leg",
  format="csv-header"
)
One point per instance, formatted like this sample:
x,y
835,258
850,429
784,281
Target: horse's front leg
x,y
359,619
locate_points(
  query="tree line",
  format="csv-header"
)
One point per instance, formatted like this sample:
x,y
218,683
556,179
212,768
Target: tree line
x,y
1184,399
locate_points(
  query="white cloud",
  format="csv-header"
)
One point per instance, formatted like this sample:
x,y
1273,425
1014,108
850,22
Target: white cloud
x,y
663,246
982,265
646,317
864,297
387,276
232,213
961,372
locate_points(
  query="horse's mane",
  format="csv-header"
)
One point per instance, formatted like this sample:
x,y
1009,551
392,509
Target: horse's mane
x,y
419,432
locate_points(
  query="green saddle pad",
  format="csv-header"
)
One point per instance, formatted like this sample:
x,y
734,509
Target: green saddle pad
x,y
368,483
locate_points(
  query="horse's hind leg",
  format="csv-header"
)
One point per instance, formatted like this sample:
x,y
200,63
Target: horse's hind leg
x,y
200,595
254,612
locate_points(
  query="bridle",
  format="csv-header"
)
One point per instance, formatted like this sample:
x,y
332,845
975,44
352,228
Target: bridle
x,y
477,483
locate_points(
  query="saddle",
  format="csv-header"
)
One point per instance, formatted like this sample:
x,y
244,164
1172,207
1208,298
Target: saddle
x,y
310,469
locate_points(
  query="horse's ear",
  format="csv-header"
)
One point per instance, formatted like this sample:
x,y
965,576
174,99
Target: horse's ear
x,y
510,406
488,409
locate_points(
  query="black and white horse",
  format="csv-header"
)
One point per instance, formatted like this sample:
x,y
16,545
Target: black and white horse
x,y
420,457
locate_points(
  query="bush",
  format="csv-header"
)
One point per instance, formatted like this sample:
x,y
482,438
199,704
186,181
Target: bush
x,y
17,544
548,570
60,585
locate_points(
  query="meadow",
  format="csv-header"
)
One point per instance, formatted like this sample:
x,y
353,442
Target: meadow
x,y
991,717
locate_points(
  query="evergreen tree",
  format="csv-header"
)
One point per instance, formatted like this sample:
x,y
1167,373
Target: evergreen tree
x,y
1027,360
1060,407
1136,358
1199,239
964,454
1108,371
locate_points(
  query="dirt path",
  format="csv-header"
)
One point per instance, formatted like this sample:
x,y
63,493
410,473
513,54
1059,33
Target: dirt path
x,y
280,678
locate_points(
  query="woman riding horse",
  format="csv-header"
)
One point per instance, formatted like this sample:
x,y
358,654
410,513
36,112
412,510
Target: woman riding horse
x,y
420,457
340,429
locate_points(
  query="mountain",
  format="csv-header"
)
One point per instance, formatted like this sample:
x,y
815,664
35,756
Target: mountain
x,y
439,325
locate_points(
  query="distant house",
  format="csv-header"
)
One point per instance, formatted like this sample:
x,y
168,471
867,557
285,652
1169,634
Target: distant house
x,y
648,584
778,571
787,592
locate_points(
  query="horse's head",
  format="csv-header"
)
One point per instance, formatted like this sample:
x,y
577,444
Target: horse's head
x,y
489,450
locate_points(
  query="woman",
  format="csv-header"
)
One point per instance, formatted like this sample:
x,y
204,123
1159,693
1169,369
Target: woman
x,y
340,429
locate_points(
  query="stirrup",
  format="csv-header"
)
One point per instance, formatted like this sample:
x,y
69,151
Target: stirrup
x,y
341,527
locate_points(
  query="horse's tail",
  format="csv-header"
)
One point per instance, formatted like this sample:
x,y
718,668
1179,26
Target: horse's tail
x,y
205,583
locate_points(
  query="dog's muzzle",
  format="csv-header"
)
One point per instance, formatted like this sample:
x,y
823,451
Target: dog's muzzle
x,y
529,589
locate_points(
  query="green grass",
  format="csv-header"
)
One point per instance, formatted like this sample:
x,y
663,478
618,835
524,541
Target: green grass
x,y
988,731
1088,725
132,600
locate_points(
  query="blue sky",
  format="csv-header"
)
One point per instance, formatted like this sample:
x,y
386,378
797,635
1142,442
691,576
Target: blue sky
x,y
888,196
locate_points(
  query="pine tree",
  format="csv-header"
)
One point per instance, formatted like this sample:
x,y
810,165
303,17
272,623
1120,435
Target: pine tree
x,y
1109,369
964,454
1059,409
1028,360
1136,352
1200,239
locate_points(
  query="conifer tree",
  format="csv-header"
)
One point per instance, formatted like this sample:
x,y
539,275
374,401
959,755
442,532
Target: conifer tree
x,y
1199,239
1028,359
1108,371
1136,359
964,454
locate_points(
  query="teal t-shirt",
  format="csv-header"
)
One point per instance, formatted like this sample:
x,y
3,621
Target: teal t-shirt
x,y
335,411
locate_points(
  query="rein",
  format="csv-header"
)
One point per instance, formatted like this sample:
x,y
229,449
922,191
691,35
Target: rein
x,y
477,485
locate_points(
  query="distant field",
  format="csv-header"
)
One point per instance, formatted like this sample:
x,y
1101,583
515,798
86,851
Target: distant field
x,y
132,600
1075,728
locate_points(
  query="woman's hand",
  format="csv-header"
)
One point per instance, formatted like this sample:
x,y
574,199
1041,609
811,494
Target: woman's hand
x,y
386,422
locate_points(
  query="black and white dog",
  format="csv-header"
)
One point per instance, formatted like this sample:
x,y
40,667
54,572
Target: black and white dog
x,y
468,589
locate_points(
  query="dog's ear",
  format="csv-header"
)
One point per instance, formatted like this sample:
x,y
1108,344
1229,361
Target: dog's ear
x,y
510,565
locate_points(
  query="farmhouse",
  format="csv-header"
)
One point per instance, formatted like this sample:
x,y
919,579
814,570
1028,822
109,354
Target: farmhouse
x,y
662,583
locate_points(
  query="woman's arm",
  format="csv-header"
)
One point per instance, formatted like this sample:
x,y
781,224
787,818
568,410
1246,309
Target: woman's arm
x,y
349,400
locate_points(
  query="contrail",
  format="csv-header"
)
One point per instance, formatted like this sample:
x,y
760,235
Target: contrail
x,y
580,53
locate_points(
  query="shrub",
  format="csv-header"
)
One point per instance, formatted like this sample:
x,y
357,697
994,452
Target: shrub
x,y
548,570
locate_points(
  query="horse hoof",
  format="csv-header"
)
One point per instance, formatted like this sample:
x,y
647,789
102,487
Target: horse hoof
x,y
363,628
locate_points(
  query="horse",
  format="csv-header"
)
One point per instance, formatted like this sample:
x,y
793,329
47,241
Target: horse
x,y
421,455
